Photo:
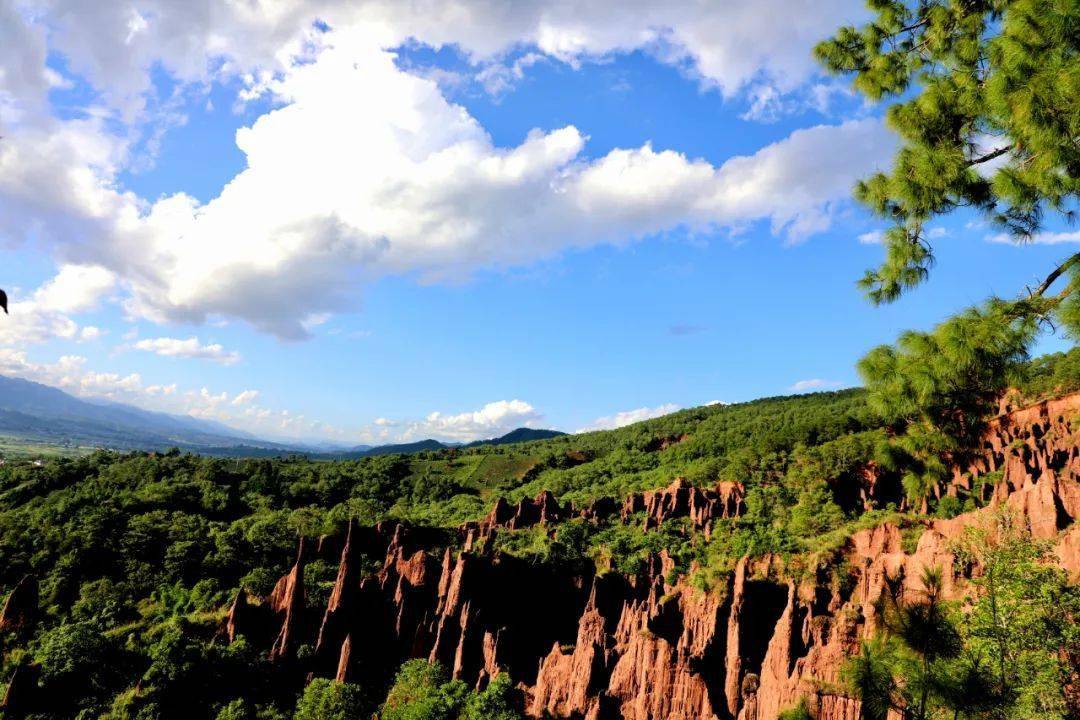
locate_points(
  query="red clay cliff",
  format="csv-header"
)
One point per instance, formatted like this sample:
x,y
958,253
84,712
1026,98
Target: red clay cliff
x,y
647,646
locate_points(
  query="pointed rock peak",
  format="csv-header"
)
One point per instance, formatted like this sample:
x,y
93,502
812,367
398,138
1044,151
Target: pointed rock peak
x,y
679,483
21,607
345,661
236,621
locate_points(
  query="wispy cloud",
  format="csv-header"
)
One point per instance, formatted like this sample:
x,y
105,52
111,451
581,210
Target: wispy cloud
x,y
1044,238
189,348
245,397
684,330
815,384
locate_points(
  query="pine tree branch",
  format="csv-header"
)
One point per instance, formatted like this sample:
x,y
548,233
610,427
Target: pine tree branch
x,y
914,26
1058,272
990,155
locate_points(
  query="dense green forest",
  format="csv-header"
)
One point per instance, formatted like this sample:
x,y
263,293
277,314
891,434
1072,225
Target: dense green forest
x,y
138,554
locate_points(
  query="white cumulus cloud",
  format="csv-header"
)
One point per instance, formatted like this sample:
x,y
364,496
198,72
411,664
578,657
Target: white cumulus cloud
x,y
494,419
45,314
190,347
728,45
339,190
629,417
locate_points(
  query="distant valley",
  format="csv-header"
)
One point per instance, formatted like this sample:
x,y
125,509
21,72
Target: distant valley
x,y
44,415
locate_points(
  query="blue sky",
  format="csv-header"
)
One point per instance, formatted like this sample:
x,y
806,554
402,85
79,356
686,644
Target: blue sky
x,y
434,232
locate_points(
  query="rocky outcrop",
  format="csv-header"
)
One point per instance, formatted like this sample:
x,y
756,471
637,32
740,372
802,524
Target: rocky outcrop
x,y
21,606
649,646
1034,457
239,619
1024,447
544,509
22,695
663,443
644,649
287,602
679,500
683,500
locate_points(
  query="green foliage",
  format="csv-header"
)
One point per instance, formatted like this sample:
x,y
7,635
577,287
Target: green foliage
x,y
236,710
80,664
1010,653
985,101
1050,375
422,691
493,703
138,555
869,675
946,381
798,712
1023,625
903,668
326,699
973,82
815,513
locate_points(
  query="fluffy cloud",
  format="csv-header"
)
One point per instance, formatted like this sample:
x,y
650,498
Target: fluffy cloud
x,y
1043,238
492,420
629,417
339,189
815,384
70,374
245,397
189,348
75,288
729,45
45,313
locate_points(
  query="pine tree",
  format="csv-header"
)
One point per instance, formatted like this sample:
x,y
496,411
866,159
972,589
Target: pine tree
x,y
990,121
869,675
986,101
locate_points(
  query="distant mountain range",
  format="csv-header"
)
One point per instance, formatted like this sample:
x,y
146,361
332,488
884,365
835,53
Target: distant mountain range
x,y
40,413
522,434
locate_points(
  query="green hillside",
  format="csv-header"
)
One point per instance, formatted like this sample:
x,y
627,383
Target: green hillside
x,y
138,554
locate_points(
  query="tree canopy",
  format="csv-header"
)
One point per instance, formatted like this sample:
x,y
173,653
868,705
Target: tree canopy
x,y
988,111
985,97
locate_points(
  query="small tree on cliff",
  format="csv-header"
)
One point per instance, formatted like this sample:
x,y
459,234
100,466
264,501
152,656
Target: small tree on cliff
x,y
870,677
927,638
1012,651
908,666
989,120
1023,622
